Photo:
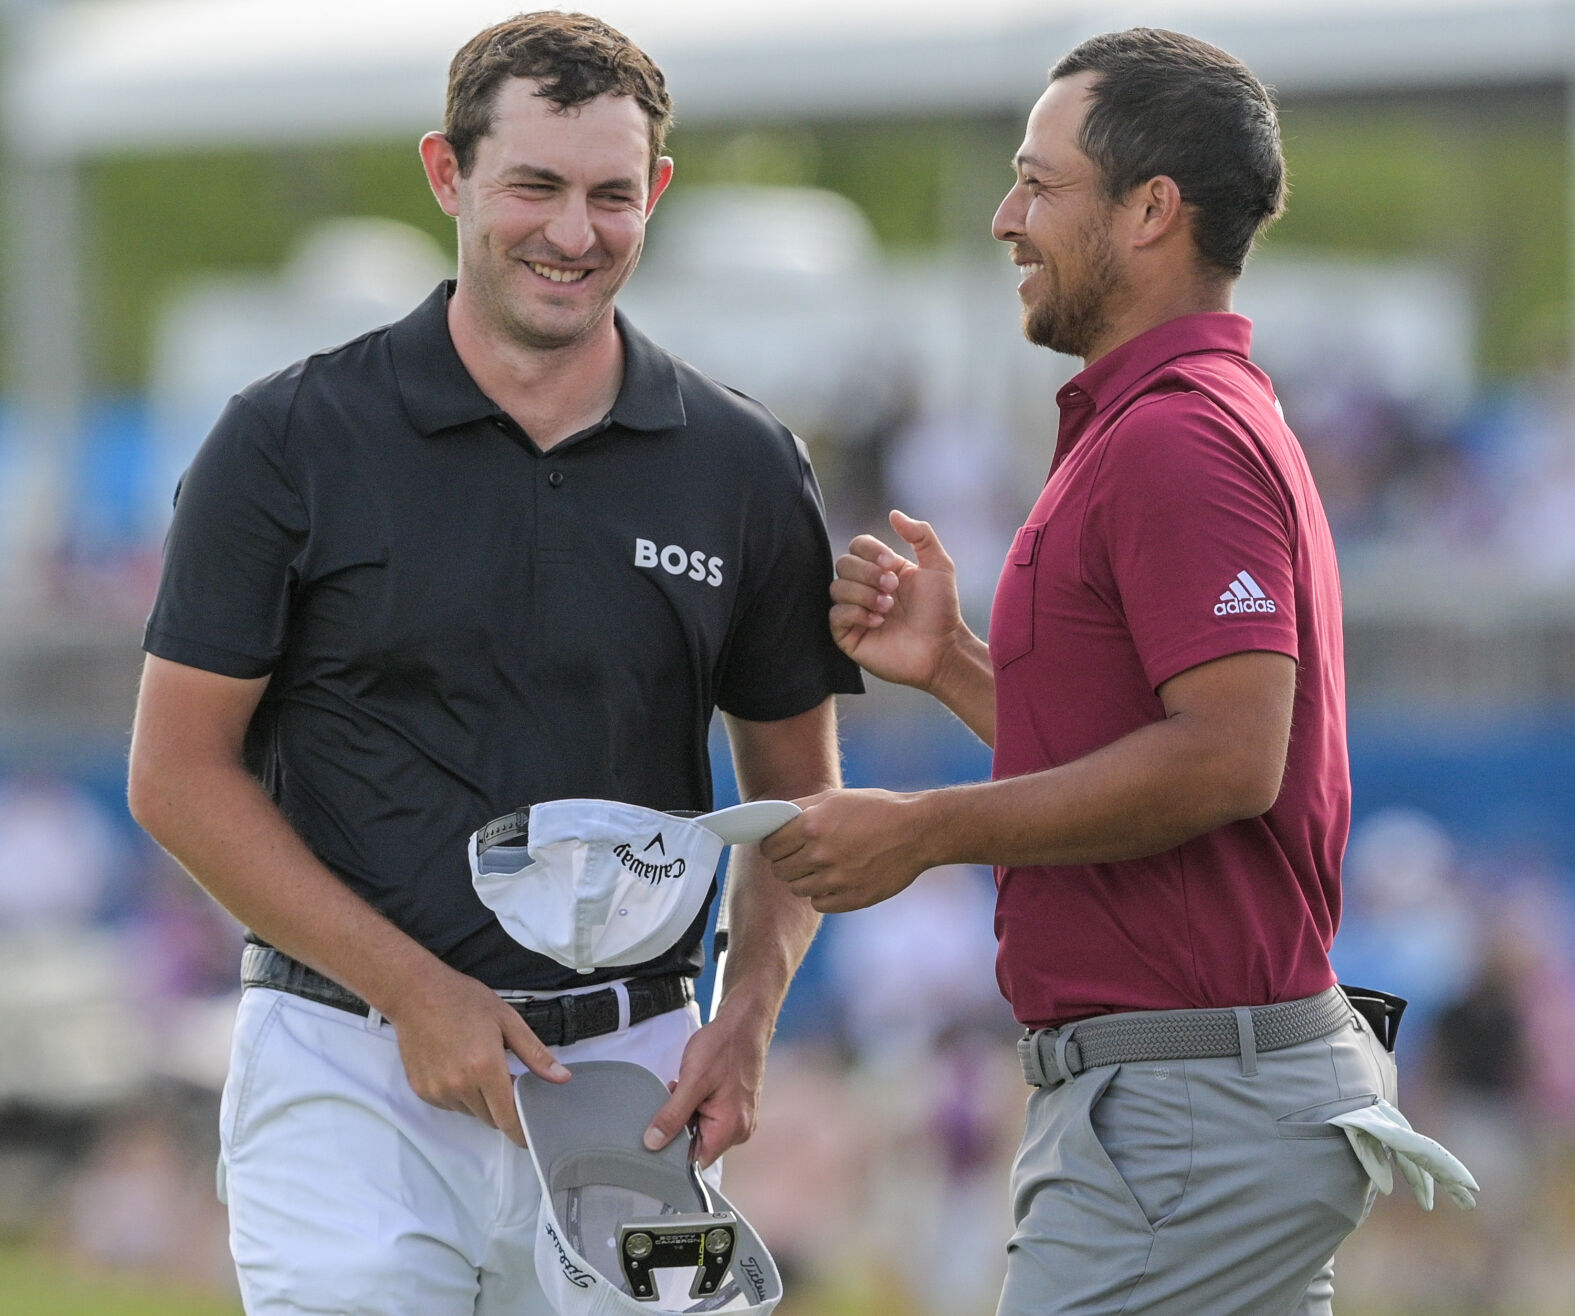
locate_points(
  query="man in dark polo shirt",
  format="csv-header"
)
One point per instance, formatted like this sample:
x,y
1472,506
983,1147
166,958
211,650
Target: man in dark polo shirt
x,y
1164,691
504,551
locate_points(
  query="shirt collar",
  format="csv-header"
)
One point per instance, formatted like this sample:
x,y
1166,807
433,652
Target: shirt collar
x,y
1109,379
649,398
439,393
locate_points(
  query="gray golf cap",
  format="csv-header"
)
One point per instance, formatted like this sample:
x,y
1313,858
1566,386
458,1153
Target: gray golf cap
x,y
626,1230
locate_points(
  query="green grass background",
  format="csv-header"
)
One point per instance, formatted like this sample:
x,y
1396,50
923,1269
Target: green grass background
x,y
35,1283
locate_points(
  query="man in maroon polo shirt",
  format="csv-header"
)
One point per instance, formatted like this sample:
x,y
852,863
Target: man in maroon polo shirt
x,y
1164,691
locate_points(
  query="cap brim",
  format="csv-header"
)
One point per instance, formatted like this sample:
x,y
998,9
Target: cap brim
x,y
605,1109
585,1137
743,824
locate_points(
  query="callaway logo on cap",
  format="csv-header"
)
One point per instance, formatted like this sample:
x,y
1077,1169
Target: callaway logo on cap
x,y
597,883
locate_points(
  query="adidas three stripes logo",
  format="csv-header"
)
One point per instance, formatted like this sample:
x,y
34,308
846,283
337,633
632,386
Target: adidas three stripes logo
x,y
1244,595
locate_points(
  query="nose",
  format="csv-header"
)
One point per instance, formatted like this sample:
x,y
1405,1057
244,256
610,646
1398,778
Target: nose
x,y
1007,226
570,230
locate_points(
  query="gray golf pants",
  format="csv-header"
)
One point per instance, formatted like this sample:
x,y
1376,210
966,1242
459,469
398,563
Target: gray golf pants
x,y
1191,1187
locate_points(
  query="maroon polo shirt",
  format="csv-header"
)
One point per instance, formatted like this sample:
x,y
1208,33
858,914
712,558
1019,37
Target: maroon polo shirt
x,y
1179,525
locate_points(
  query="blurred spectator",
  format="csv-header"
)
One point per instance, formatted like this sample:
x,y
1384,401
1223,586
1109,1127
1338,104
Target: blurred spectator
x,y
191,945
937,1083
1479,1038
1406,926
144,1200
974,1102
1479,1075
1535,918
1388,472
69,998
954,467
801,1179
59,853
917,966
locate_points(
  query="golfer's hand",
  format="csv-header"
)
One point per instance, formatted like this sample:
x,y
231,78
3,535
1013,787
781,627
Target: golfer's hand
x,y
849,849
453,1039
718,1087
897,619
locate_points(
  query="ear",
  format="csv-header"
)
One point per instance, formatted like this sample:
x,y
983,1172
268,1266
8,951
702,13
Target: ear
x,y
442,166
662,176
1155,208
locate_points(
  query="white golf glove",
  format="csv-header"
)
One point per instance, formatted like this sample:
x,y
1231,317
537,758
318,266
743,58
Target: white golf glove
x,y
1379,1131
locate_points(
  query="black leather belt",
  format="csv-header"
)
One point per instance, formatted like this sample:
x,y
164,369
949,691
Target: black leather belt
x,y
556,1020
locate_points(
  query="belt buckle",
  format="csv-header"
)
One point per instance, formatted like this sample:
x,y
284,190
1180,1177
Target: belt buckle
x,y
1050,1056
1068,1054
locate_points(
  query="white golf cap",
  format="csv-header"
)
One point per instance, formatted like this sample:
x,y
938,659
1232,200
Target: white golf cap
x,y
625,1230
597,883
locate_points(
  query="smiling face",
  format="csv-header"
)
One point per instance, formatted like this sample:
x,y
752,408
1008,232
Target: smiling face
x,y
551,215
1058,222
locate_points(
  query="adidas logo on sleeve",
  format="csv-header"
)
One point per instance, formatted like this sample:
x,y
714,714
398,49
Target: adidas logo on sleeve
x,y
1244,595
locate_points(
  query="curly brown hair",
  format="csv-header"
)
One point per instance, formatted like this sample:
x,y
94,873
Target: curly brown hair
x,y
574,57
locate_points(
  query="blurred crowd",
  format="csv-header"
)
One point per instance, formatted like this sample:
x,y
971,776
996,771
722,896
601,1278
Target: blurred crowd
x,y
115,1009
1493,481
893,1102
1492,485
1497,478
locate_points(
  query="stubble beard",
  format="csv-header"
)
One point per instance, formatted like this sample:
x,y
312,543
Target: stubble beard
x,y
508,311
511,318
1071,320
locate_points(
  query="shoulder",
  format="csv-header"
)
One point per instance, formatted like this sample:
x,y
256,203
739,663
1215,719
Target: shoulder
x,y
1186,414
736,430
316,381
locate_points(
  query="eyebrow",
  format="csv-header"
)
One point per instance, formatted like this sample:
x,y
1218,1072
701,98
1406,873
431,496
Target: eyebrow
x,y
539,174
1023,160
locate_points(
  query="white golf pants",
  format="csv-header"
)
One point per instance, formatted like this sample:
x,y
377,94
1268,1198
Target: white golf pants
x,y
350,1195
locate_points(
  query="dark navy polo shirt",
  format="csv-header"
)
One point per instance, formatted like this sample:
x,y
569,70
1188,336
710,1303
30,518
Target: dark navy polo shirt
x,y
457,624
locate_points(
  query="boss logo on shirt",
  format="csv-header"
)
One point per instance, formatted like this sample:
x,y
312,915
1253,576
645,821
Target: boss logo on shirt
x,y
676,560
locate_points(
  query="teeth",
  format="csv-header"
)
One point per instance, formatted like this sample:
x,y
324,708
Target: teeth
x,y
1033,267
557,275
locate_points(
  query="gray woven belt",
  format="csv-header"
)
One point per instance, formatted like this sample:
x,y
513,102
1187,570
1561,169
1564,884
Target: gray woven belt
x,y
1054,1055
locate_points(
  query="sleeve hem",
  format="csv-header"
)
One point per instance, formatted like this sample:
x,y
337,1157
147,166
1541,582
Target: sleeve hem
x,y
207,657
794,703
1223,646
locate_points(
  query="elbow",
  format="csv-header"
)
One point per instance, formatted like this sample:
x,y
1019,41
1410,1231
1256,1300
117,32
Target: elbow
x,y
1250,792
141,797
1231,788
148,796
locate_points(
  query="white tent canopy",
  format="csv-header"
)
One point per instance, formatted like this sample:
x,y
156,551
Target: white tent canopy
x,y
95,77
117,75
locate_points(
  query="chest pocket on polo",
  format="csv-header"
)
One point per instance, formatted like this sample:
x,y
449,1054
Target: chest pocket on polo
x,y
1012,617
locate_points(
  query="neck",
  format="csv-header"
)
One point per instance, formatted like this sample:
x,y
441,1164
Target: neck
x,y
551,392
1160,301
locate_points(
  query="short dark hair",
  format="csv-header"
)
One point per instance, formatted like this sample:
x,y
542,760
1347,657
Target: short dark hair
x,y
575,57
1170,104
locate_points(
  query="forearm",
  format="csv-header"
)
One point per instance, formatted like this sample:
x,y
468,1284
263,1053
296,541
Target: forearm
x,y
769,934
229,835
769,929
724,1063
965,683
1145,793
